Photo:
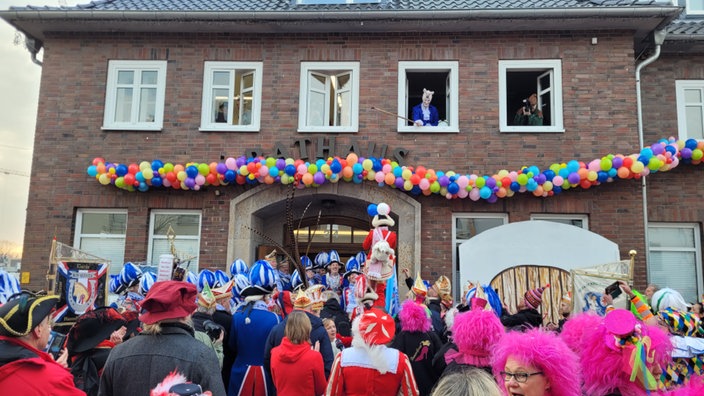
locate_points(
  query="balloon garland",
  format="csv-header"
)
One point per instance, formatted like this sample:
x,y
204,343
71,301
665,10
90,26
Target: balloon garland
x,y
662,156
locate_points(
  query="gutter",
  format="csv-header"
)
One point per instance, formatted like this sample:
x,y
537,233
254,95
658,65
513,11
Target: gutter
x,y
33,46
659,38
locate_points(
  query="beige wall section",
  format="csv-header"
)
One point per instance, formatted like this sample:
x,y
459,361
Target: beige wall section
x,y
263,208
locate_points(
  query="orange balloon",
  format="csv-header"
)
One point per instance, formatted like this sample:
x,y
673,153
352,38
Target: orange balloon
x,y
347,172
390,179
352,158
307,179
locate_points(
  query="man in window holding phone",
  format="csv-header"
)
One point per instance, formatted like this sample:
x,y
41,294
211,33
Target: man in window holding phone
x,y
25,326
529,113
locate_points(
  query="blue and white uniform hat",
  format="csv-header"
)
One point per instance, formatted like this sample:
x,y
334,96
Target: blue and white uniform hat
x,y
192,278
321,260
352,267
221,278
239,283
9,285
306,263
361,258
296,280
115,286
239,267
333,257
206,277
262,279
148,279
130,275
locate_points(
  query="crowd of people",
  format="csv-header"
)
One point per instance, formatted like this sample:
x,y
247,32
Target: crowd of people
x,y
262,331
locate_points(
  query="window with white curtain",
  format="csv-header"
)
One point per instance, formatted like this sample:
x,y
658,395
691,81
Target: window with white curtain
x,y
186,230
102,232
675,258
329,97
690,108
134,97
464,227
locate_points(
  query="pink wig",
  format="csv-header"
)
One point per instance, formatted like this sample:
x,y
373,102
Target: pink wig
x,y
547,352
695,387
414,317
474,333
603,365
576,327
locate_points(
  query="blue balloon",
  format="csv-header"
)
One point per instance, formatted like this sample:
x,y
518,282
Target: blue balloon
x,y
92,171
157,164
485,192
515,186
371,210
121,170
335,167
191,171
157,182
291,169
690,144
453,188
230,175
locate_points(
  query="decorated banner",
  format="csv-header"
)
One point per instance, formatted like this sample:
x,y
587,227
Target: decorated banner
x,y
589,285
81,287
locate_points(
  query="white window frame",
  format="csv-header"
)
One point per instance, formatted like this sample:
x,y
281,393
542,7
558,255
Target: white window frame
x,y
692,11
152,237
556,110
114,67
562,216
115,266
696,249
308,68
458,289
451,98
680,87
207,106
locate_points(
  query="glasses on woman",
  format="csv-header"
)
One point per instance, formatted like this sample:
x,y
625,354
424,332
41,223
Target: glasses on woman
x,y
519,377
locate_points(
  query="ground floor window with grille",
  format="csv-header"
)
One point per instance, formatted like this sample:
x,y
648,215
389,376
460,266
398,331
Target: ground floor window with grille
x,y
186,235
102,232
675,258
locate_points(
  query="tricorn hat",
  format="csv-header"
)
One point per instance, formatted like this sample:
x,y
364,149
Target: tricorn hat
x,y
23,312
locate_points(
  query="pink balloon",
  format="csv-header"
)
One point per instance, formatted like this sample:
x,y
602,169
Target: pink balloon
x,y
200,180
264,171
595,165
462,193
302,169
424,184
463,182
386,168
474,194
557,181
230,163
379,177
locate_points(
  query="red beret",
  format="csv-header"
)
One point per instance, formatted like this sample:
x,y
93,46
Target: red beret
x,y
169,300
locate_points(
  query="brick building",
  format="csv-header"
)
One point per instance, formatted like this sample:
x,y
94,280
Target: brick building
x,y
316,79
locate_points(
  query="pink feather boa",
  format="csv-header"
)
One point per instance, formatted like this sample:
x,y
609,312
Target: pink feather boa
x,y
547,352
414,317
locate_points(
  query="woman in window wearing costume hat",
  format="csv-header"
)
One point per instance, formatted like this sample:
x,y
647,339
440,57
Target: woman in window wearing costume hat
x,y
25,326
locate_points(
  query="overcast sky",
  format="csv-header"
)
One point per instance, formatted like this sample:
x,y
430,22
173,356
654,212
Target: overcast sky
x,y
19,92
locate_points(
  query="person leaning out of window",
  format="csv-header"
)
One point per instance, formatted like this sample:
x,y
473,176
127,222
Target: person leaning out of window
x,y
529,113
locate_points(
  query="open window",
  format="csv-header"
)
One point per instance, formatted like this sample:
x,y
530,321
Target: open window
x,y
519,110
231,96
439,77
329,97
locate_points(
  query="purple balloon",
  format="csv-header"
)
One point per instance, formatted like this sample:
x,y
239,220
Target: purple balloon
x,y
241,161
280,163
657,148
573,178
399,182
617,162
686,153
190,182
490,182
444,181
318,178
221,168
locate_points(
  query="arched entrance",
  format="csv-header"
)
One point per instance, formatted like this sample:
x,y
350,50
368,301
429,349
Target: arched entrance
x,y
264,209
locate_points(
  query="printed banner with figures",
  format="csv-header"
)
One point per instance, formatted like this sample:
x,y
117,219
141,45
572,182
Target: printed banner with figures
x,y
589,285
81,287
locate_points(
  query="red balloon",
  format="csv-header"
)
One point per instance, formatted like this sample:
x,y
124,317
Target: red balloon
x,y
627,162
133,168
129,179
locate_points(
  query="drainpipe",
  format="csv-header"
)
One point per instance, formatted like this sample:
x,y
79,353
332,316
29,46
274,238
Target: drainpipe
x,y
33,46
658,38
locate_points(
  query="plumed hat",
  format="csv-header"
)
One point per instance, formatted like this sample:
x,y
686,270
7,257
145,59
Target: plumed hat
x,y
148,279
168,300
238,267
376,327
352,267
321,260
296,280
333,257
534,297
316,295
240,282
380,214
414,317
262,279
115,285
546,352
443,286
206,277
302,300
92,328
362,292
9,285
361,258
23,312
475,332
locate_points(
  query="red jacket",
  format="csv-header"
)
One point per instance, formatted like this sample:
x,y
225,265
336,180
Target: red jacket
x,y
25,370
297,370
353,374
